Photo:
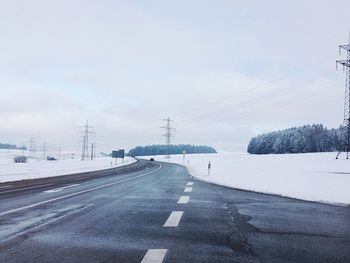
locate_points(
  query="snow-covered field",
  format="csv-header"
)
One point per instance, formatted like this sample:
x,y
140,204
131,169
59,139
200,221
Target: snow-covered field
x,y
310,176
39,168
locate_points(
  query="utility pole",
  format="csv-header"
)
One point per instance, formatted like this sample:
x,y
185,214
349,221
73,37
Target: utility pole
x,y
93,149
168,134
87,130
346,67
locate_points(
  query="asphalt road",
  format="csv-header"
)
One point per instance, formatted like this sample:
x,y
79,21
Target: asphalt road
x,y
156,212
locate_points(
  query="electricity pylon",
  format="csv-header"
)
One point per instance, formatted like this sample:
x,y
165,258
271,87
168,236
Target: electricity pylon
x,y
85,147
32,148
168,134
346,67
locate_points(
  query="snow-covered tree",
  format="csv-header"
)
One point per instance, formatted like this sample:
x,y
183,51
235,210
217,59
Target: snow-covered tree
x,y
308,138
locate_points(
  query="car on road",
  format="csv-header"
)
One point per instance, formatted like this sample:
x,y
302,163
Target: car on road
x,y
20,159
152,159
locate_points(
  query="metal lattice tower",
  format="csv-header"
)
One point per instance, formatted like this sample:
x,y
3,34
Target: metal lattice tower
x,y
32,148
85,146
168,134
44,150
346,67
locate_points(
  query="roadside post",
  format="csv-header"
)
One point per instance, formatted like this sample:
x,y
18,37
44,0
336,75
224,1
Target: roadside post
x,y
183,156
115,156
121,154
118,154
209,167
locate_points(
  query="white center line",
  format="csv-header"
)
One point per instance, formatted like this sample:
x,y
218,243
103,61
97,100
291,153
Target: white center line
x,y
188,189
174,219
77,193
154,256
189,183
183,199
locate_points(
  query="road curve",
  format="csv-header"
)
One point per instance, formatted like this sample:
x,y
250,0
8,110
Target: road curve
x,y
158,213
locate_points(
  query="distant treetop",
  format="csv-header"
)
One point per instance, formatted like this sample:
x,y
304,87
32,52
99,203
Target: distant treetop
x,y
171,149
11,146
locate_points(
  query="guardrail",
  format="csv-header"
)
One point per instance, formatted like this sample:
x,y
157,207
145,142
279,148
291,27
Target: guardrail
x,y
68,178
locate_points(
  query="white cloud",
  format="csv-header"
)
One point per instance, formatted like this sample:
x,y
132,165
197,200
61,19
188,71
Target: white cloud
x,y
126,65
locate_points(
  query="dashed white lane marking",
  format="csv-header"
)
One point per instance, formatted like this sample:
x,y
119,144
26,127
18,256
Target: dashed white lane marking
x,y
183,199
154,256
59,189
188,189
174,219
77,193
189,183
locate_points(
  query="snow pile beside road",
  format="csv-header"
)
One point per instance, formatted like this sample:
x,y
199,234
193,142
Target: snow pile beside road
x,y
310,176
11,171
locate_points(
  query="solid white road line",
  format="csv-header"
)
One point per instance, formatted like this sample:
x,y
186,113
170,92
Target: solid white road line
x,y
174,219
154,256
188,189
183,199
59,189
5,186
77,193
25,188
189,183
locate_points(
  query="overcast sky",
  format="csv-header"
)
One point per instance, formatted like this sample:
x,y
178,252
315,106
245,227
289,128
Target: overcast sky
x,y
224,71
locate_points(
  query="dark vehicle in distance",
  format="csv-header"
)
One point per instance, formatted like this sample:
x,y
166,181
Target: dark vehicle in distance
x,y
152,159
20,159
50,158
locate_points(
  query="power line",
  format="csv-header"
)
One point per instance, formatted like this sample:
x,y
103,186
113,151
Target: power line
x,y
249,101
252,89
243,92
244,113
346,67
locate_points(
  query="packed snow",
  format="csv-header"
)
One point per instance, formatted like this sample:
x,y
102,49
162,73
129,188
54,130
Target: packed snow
x,y
310,176
70,163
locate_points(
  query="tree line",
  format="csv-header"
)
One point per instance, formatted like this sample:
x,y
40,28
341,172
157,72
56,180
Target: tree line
x,y
305,139
171,149
11,146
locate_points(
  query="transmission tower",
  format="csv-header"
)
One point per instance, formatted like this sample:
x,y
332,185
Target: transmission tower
x,y
168,134
346,67
32,147
44,150
87,130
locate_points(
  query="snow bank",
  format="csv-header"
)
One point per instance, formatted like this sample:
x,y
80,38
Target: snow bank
x,y
36,168
311,176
